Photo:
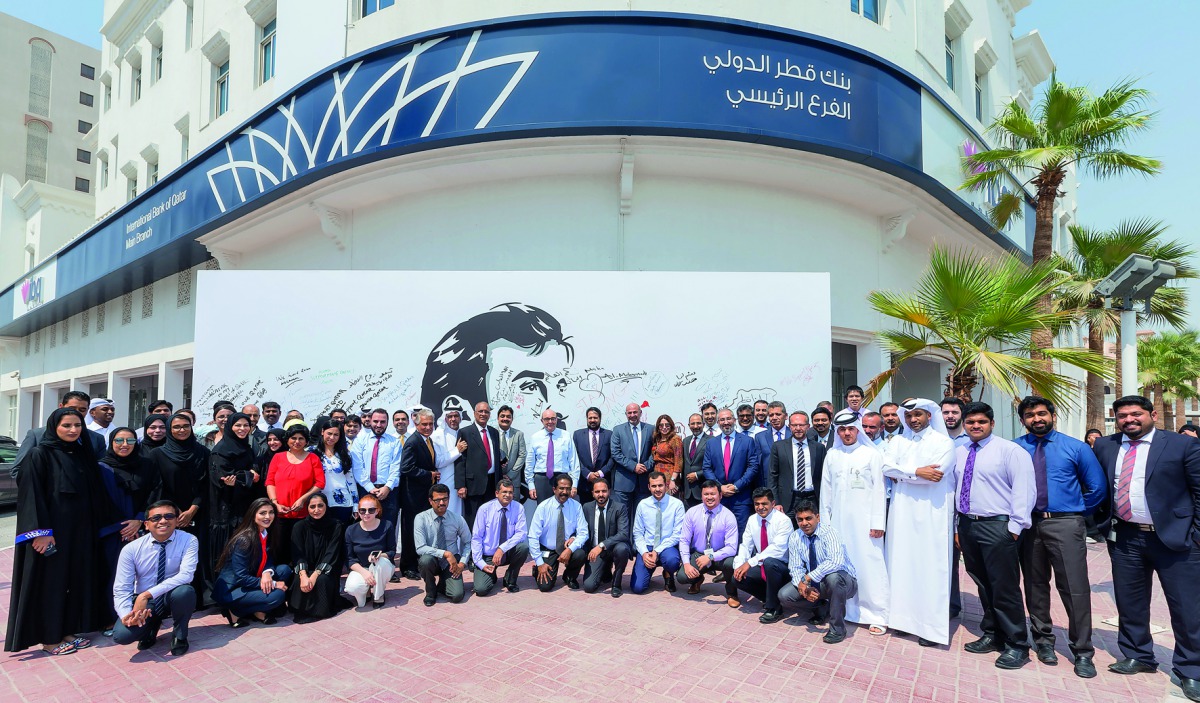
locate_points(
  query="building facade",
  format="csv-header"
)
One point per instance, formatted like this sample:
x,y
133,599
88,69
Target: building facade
x,y
769,135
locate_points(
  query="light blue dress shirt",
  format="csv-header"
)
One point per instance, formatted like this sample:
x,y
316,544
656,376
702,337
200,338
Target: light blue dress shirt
x,y
536,451
830,552
644,524
388,468
137,568
544,527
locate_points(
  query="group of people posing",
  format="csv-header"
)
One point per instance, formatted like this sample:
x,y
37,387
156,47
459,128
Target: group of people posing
x,y
855,516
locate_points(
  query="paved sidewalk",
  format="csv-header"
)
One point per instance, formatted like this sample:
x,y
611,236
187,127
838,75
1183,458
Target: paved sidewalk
x,y
570,646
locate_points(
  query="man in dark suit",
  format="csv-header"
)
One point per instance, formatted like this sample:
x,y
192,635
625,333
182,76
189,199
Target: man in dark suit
x,y
479,465
693,461
592,446
632,463
794,467
732,460
822,426
418,473
776,430
607,547
1155,476
71,399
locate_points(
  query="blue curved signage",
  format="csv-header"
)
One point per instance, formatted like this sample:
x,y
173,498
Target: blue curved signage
x,y
540,76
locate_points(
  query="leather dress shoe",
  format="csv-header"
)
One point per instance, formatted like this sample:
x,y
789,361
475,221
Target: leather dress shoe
x,y
1046,655
1013,658
983,645
429,601
1191,688
816,621
572,584
513,588
178,647
771,616
1129,667
719,578
832,637
412,575
694,588
617,592
146,642
733,602
1084,668
922,642
669,580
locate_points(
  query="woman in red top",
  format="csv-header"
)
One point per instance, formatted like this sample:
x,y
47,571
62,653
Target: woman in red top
x,y
667,450
294,476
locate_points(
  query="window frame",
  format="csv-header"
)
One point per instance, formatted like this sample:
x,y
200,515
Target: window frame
x,y
220,88
87,185
267,50
85,69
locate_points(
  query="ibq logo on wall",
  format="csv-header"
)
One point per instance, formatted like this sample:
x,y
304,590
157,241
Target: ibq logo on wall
x,y
31,291
37,289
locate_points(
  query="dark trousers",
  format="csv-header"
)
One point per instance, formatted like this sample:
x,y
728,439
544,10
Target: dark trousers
x,y
550,557
993,561
955,589
725,566
1136,557
668,559
541,484
438,579
255,601
1058,545
835,589
514,558
616,559
180,604
408,545
767,591
630,500
472,504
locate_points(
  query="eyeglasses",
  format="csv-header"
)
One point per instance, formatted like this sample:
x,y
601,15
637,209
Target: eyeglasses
x,y
367,511
160,517
122,440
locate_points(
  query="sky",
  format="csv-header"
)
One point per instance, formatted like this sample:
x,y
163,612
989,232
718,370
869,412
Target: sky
x,y
1095,43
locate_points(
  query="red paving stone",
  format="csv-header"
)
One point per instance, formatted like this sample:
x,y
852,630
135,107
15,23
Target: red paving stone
x,y
566,646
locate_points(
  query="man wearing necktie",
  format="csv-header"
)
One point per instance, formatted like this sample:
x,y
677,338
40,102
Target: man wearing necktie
x,y
418,469
608,542
708,411
153,581
822,577
632,460
512,445
776,430
1070,485
499,538
657,528
550,452
1155,479
375,464
995,495
732,459
557,535
760,567
593,446
443,542
708,543
693,461
480,464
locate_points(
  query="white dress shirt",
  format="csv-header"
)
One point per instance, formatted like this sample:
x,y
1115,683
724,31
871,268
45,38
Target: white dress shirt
x,y
1138,508
779,530
808,465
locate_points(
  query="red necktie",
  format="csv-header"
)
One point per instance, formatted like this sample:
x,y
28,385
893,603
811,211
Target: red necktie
x,y
375,460
1122,507
487,447
762,538
728,454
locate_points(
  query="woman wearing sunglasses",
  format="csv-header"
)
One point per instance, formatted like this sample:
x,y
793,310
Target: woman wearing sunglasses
x,y
370,549
249,583
130,480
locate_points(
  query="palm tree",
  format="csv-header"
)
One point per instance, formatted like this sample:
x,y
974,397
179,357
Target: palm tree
x,y
1167,364
1094,255
1068,128
977,315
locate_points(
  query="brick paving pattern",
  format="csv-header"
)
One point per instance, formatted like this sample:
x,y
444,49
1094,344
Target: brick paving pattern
x,y
570,646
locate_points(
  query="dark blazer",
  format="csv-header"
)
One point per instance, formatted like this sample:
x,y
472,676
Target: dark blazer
x,y
766,440
812,435
617,517
237,575
1172,484
744,465
623,448
781,472
471,467
583,450
33,436
693,464
416,471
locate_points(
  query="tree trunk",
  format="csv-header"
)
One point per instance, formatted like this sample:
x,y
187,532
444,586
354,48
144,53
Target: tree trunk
x,y
1159,406
1043,248
1168,416
1180,411
1095,384
961,385
1117,385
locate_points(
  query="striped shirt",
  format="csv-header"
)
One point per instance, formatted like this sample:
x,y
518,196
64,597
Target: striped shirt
x,y
831,555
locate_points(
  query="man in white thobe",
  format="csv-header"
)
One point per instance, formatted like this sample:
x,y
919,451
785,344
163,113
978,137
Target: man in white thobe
x,y
921,523
445,437
854,501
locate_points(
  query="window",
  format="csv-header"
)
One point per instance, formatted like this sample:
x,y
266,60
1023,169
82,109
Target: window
x,y
83,156
83,185
135,85
156,64
88,72
131,188
103,172
949,62
84,126
266,52
37,145
187,27
185,148
220,89
107,97
979,97
41,57
866,8
86,99
371,6
845,369
151,173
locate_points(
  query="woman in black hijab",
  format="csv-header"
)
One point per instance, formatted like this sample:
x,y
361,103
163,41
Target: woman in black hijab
x,y
272,444
232,477
129,480
58,582
182,465
318,555
154,432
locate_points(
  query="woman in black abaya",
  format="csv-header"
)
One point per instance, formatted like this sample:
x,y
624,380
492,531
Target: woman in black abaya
x,y
318,556
233,480
129,480
58,582
182,465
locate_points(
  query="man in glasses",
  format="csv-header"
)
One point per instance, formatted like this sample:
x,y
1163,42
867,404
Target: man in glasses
x,y
154,581
443,542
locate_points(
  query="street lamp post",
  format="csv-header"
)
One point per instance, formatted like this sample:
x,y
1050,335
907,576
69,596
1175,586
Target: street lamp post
x,y
1135,280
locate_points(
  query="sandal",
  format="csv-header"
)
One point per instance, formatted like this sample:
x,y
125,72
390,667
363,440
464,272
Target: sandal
x,y
81,643
60,649
877,630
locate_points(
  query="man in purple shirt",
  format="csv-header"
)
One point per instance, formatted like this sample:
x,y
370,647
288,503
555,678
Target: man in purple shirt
x,y
709,543
994,497
499,538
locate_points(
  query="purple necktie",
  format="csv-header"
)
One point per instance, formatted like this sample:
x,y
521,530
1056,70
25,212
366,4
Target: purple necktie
x,y
1039,473
692,453
964,498
550,458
